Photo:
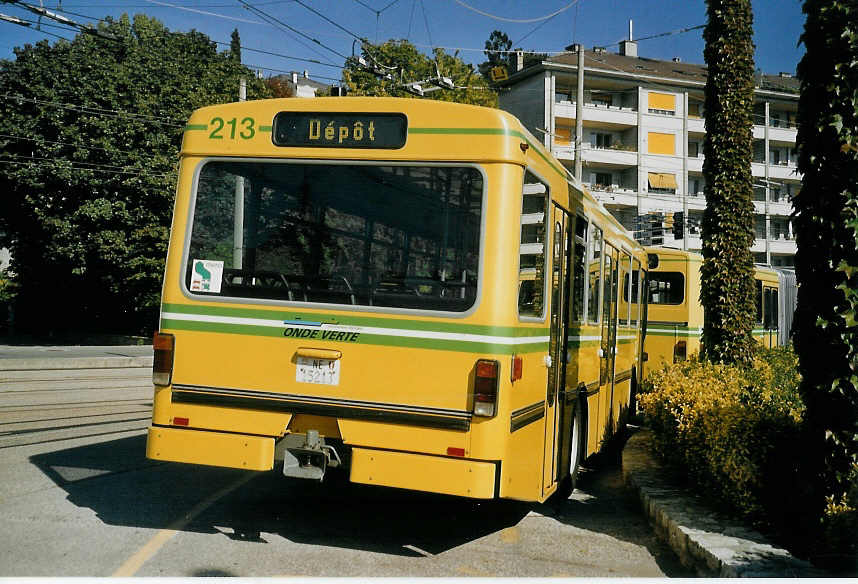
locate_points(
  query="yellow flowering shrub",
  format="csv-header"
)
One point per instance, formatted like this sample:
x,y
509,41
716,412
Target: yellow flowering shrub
x,y
731,431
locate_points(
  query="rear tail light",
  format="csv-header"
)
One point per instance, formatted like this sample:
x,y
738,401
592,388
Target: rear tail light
x,y
486,388
517,368
679,352
162,365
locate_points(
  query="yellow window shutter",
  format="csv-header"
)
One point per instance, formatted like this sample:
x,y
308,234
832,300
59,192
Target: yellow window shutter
x,y
661,180
660,143
562,135
662,101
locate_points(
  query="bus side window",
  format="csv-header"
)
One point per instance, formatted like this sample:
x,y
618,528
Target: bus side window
x,y
771,308
579,270
594,260
626,305
759,301
633,291
531,266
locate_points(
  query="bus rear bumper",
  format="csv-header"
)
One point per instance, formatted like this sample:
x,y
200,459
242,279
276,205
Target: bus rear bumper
x,y
210,448
420,472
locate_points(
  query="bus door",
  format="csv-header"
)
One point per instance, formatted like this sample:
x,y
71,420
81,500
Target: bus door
x,y
557,351
608,346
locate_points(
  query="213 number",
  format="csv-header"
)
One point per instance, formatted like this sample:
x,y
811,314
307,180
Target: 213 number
x,y
246,128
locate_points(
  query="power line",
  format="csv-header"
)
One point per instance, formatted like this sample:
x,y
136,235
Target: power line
x,y
39,142
518,20
315,61
267,16
426,22
62,19
167,4
339,26
94,110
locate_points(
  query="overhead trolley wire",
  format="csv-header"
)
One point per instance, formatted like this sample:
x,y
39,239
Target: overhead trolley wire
x,y
95,110
517,20
197,11
267,16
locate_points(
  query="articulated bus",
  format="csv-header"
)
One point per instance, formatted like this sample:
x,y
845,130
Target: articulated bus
x,y
675,315
415,293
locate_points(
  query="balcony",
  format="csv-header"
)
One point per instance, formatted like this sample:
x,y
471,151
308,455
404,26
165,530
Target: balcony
x,y
696,125
599,115
621,156
776,134
695,164
614,195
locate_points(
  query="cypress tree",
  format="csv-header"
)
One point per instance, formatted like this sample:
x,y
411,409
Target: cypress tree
x,y
235,46
825,217
727,284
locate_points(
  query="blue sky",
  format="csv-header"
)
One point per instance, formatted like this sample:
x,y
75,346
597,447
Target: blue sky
x,y
462,25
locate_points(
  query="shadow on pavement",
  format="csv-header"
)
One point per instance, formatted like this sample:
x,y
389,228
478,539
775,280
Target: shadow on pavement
x,y
124,488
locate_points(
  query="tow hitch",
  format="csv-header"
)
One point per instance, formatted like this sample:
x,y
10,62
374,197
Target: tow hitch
x,y
306,456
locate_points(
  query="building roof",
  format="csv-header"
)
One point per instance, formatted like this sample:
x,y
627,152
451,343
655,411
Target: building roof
x,y
643,66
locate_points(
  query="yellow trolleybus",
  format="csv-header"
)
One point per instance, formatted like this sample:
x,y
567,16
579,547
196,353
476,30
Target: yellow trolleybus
x,y
675,315
412,291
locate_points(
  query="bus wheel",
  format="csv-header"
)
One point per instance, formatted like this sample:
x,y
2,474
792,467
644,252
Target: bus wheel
x,y
576,441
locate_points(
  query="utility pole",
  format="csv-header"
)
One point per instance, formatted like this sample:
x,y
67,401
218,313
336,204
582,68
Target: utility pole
x,y
238,222
579,114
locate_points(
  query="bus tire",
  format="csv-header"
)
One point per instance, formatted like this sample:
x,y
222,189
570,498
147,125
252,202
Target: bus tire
x,y
576,450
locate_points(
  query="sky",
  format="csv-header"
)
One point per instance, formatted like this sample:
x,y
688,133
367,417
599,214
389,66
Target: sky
x,y
332,26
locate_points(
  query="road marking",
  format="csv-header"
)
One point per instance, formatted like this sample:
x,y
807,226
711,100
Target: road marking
x,y
132,564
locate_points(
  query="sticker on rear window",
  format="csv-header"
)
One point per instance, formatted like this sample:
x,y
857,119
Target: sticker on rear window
x,y
207,276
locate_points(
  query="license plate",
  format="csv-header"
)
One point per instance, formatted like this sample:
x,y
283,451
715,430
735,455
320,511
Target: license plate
x,y
321,371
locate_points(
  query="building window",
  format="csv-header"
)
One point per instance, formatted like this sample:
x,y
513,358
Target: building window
x,y
662,182
602,99
662,103
693,149
694,108
696,187
774,156
603,181
660,143
602,140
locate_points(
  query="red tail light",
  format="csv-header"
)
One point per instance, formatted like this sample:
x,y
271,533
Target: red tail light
x,y
517,368
162,365
486,388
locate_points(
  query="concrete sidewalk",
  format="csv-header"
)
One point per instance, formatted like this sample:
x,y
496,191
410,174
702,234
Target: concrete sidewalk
x,y
15,358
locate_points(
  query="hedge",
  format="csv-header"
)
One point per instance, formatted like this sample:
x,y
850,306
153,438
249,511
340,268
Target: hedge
x,y
737,435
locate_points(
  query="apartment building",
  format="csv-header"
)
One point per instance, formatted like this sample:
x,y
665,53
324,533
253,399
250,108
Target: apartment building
x,y
643,132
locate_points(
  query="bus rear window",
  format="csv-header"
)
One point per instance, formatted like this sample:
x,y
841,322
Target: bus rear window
x,y
353,234
666,287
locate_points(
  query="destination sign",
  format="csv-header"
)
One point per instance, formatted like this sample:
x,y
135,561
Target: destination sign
x,y
340,130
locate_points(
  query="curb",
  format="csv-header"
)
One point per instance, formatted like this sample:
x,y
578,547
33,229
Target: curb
x,y
42,364
702,538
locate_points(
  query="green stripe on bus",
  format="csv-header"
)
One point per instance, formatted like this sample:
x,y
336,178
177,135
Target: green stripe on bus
x,y
364,339
192,127
264,128
444,327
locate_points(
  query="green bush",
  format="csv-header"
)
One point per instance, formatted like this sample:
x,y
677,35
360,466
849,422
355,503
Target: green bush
x,y
738,435
732,431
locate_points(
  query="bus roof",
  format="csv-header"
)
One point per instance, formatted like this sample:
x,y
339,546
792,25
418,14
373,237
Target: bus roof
x,y
435,130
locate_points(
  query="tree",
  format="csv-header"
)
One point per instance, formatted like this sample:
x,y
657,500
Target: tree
x,y
89,137
497,47
499,54
402,63
235,46
826,223
727,284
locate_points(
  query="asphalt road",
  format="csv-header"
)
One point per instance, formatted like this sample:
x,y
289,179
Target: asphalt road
x,y
79,498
